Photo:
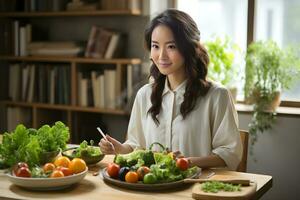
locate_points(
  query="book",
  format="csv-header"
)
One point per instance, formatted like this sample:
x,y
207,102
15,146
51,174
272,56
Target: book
x,y
110,88
97,42
23,41
112,46
129,81
14,82
101,83
96,94
31,84
63,48
25,80
16,37
53,74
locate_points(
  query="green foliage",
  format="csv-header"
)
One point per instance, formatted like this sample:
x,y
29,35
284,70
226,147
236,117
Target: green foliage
x,y
269,69
27,144
216,186
222,54
53,138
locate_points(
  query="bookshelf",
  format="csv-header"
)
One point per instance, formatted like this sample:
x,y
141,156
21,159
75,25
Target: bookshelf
x,y
81,119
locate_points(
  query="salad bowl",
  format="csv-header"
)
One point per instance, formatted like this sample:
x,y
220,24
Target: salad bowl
x,y
89,159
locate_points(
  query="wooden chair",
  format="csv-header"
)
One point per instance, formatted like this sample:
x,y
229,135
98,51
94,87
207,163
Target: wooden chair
x,y
243,164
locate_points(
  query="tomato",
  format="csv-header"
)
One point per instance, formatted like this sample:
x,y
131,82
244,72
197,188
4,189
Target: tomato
x,y
122,173
19,165
62,161
182,164
113,170
131,177
77,165
149,178
142,171
56,174
65,170
48,167
23,172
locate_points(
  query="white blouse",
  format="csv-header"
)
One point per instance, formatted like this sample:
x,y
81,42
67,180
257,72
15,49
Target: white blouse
x,y
212,127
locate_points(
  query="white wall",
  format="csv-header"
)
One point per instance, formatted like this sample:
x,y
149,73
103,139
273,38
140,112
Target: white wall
x,y
277,154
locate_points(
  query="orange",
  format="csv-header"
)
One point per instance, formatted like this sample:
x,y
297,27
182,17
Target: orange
x,y
48,167
77,165
62,161
131,177
57,174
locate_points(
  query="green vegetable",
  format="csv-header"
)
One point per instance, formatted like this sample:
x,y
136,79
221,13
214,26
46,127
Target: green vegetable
x,y
38,172
216,186
53,138
162,165
84,150
137,157
26,145
149,178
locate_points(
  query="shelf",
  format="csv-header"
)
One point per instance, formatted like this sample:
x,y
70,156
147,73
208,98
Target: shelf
x,y
71,13
66,108
71,59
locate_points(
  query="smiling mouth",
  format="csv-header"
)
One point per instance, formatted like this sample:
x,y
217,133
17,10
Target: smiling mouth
x,y
164,64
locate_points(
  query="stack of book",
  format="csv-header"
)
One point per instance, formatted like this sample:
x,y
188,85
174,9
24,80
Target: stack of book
x,y
54,48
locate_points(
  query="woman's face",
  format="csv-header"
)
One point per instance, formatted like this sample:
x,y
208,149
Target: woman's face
x,y
164,52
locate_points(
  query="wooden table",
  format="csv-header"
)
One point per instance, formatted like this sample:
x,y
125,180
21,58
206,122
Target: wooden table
x,y
93,187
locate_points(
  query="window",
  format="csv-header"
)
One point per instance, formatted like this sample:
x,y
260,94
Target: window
x,y
220,18
279,20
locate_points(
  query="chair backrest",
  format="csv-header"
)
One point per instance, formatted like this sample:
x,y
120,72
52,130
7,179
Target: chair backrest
x,y
243,164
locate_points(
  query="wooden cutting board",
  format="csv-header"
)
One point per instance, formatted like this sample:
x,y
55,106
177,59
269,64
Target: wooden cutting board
x,y
246,191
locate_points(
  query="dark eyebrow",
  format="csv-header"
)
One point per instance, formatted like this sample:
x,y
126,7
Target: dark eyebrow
x,y
170,42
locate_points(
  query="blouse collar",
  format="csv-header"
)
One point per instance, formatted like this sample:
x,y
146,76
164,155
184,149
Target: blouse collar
x,y
179,90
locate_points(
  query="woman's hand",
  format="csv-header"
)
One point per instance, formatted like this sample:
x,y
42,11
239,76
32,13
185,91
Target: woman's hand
x,y
113,146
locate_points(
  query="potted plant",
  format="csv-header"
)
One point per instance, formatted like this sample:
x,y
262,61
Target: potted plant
x,y
222,66
269,70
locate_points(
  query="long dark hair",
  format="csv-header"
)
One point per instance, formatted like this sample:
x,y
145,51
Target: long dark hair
x,y
187,39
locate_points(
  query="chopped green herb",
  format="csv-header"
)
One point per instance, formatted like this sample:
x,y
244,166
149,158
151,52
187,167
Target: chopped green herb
x,y
216,186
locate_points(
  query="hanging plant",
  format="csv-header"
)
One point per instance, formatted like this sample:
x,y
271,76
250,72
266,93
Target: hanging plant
x,y
269,70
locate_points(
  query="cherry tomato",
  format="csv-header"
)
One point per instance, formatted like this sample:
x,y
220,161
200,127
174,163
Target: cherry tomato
x,y
67,171
131,177
113,170
142,171
182,164
149,179
18,166
57,174
23,172
48,167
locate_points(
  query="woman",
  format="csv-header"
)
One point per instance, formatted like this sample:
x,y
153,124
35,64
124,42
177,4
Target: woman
x,y
181,109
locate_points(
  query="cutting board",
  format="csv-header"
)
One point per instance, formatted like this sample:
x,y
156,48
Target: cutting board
x,y
246,192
